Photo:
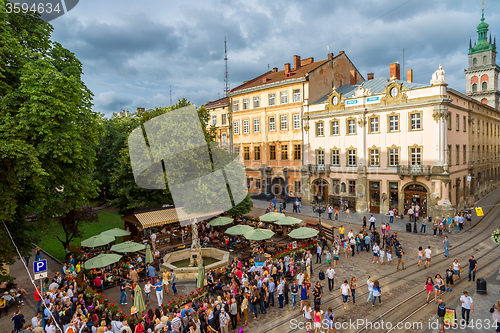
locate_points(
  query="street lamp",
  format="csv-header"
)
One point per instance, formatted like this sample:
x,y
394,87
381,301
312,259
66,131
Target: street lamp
x,y
319,207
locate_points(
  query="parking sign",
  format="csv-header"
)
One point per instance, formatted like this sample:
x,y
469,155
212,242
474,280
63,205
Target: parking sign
x,y
40,269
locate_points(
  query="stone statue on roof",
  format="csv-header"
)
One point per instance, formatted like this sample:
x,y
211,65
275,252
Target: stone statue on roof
x,y
362,91
438,76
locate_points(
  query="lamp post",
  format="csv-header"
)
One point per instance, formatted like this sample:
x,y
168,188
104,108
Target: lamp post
x,y
319,207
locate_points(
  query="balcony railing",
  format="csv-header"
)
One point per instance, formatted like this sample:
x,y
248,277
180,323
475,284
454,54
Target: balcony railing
x,y
318,167
414,170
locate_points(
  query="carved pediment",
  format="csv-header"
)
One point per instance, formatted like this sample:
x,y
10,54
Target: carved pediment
x,y
394,94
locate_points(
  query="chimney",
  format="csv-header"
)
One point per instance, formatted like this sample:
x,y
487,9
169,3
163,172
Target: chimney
x,y
307,61
370,76
330,56
275,69
409,75
287,68
296,62
353,78
395,68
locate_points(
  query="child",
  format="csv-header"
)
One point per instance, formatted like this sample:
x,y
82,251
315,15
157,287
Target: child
x,y
389,255
328,256
381,256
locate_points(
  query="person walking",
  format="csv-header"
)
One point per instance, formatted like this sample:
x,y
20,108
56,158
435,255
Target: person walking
x,y
495,311
435,227
376,250
372,222
336,214
467,307
295,293
307,309
391,216
429,287
410,213
330,320
472,268
353,287
449,278
330,212
376,292
159,292
147,292
345,292
317,318
244,308
336,256
224,321
281,288
438,287
424,225
330,273
303,294
318,253
428,256
441,312
420,256
369,283
446,244
456,269
317,294
399,254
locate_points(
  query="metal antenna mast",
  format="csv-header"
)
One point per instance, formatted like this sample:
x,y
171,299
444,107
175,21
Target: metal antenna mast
x,y
226,75
170,95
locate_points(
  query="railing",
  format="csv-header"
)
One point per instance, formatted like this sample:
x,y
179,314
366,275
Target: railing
x,y
414,170
318,167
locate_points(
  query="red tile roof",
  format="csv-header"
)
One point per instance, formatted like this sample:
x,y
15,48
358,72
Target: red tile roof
x,y
218,103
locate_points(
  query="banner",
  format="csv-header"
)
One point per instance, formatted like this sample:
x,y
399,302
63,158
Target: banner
x,y
449,317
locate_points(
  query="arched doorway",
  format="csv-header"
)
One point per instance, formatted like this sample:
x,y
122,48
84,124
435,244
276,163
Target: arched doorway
x,y
320,187
416,194
278,187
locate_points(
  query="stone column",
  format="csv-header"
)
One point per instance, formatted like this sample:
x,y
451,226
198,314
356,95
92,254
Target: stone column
x,y
362,190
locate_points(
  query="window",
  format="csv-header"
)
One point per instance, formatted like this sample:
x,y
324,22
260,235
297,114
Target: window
x,y
484,85
236,105
296,95
415,121
320,156
272,99
448,155
448,120
214,120
351,157
458,122
474,61
256,125
374,124
335,157
393,156
257,184
464,156
472,153
246,127
272,152
256,153
256,102
416,156
272,124
474,87
319,128
296,121
283,123
465,124
297,155
352,187
485,60
283,97
351,126
374,157
224,137
336,186
237,150
297,186
224,119
335,127
246,103
246,153
236,126
284,152
393,123
457,158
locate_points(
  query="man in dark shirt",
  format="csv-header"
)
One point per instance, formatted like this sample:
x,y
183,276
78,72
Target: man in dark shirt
x,y
18,321
441,312
449,278
472,268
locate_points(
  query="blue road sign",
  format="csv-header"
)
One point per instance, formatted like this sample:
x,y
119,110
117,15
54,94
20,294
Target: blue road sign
x,y
40,266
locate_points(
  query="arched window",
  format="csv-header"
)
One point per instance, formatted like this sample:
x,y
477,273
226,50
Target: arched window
x,y
485,59
484,85
474,87
474,61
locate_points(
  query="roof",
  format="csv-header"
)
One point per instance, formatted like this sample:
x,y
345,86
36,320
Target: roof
x,y
165,216
273,77
224,101
376,87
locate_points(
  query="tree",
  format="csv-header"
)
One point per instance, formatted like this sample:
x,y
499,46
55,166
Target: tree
x,y
72,221
242,208
47,129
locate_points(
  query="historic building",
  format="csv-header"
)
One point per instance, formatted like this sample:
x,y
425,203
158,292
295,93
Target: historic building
x,y
262,119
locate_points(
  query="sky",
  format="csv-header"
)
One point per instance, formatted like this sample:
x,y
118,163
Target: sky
x,y
135,52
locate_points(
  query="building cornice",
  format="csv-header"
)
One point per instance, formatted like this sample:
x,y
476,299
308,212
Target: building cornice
x,y
268,86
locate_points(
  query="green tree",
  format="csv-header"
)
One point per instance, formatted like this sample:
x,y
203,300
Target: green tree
x,y
47,130
73,220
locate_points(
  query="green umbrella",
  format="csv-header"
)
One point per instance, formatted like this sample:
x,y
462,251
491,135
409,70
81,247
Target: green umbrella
x,y
139,300
303,232
259,234
128,246
102,260
288,220
98,240
149,255
239,230
271,216
221,220
201,276
117,232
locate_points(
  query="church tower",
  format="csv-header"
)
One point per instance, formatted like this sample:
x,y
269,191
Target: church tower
x,y
482,75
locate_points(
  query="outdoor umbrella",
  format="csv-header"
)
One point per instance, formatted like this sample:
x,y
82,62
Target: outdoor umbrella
x,y
117,232
239,230
149,255
221,220
303,232
139,300
201,276
98,240
102,260
128,246
288,220
271,216
259,234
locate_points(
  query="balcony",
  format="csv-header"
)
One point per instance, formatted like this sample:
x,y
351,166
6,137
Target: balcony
x,y
414,171
318,168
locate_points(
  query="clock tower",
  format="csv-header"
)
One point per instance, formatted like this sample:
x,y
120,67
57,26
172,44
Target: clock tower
x,y
482,75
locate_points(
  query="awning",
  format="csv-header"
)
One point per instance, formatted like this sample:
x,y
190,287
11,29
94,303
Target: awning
x,y
161,217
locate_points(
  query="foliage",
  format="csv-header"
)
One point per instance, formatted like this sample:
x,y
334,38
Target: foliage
x,y
242,208
47,130
72,222
301,247
495,237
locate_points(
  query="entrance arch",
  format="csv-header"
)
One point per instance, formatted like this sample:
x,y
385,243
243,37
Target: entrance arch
x,y
320,186
278,187
415,193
